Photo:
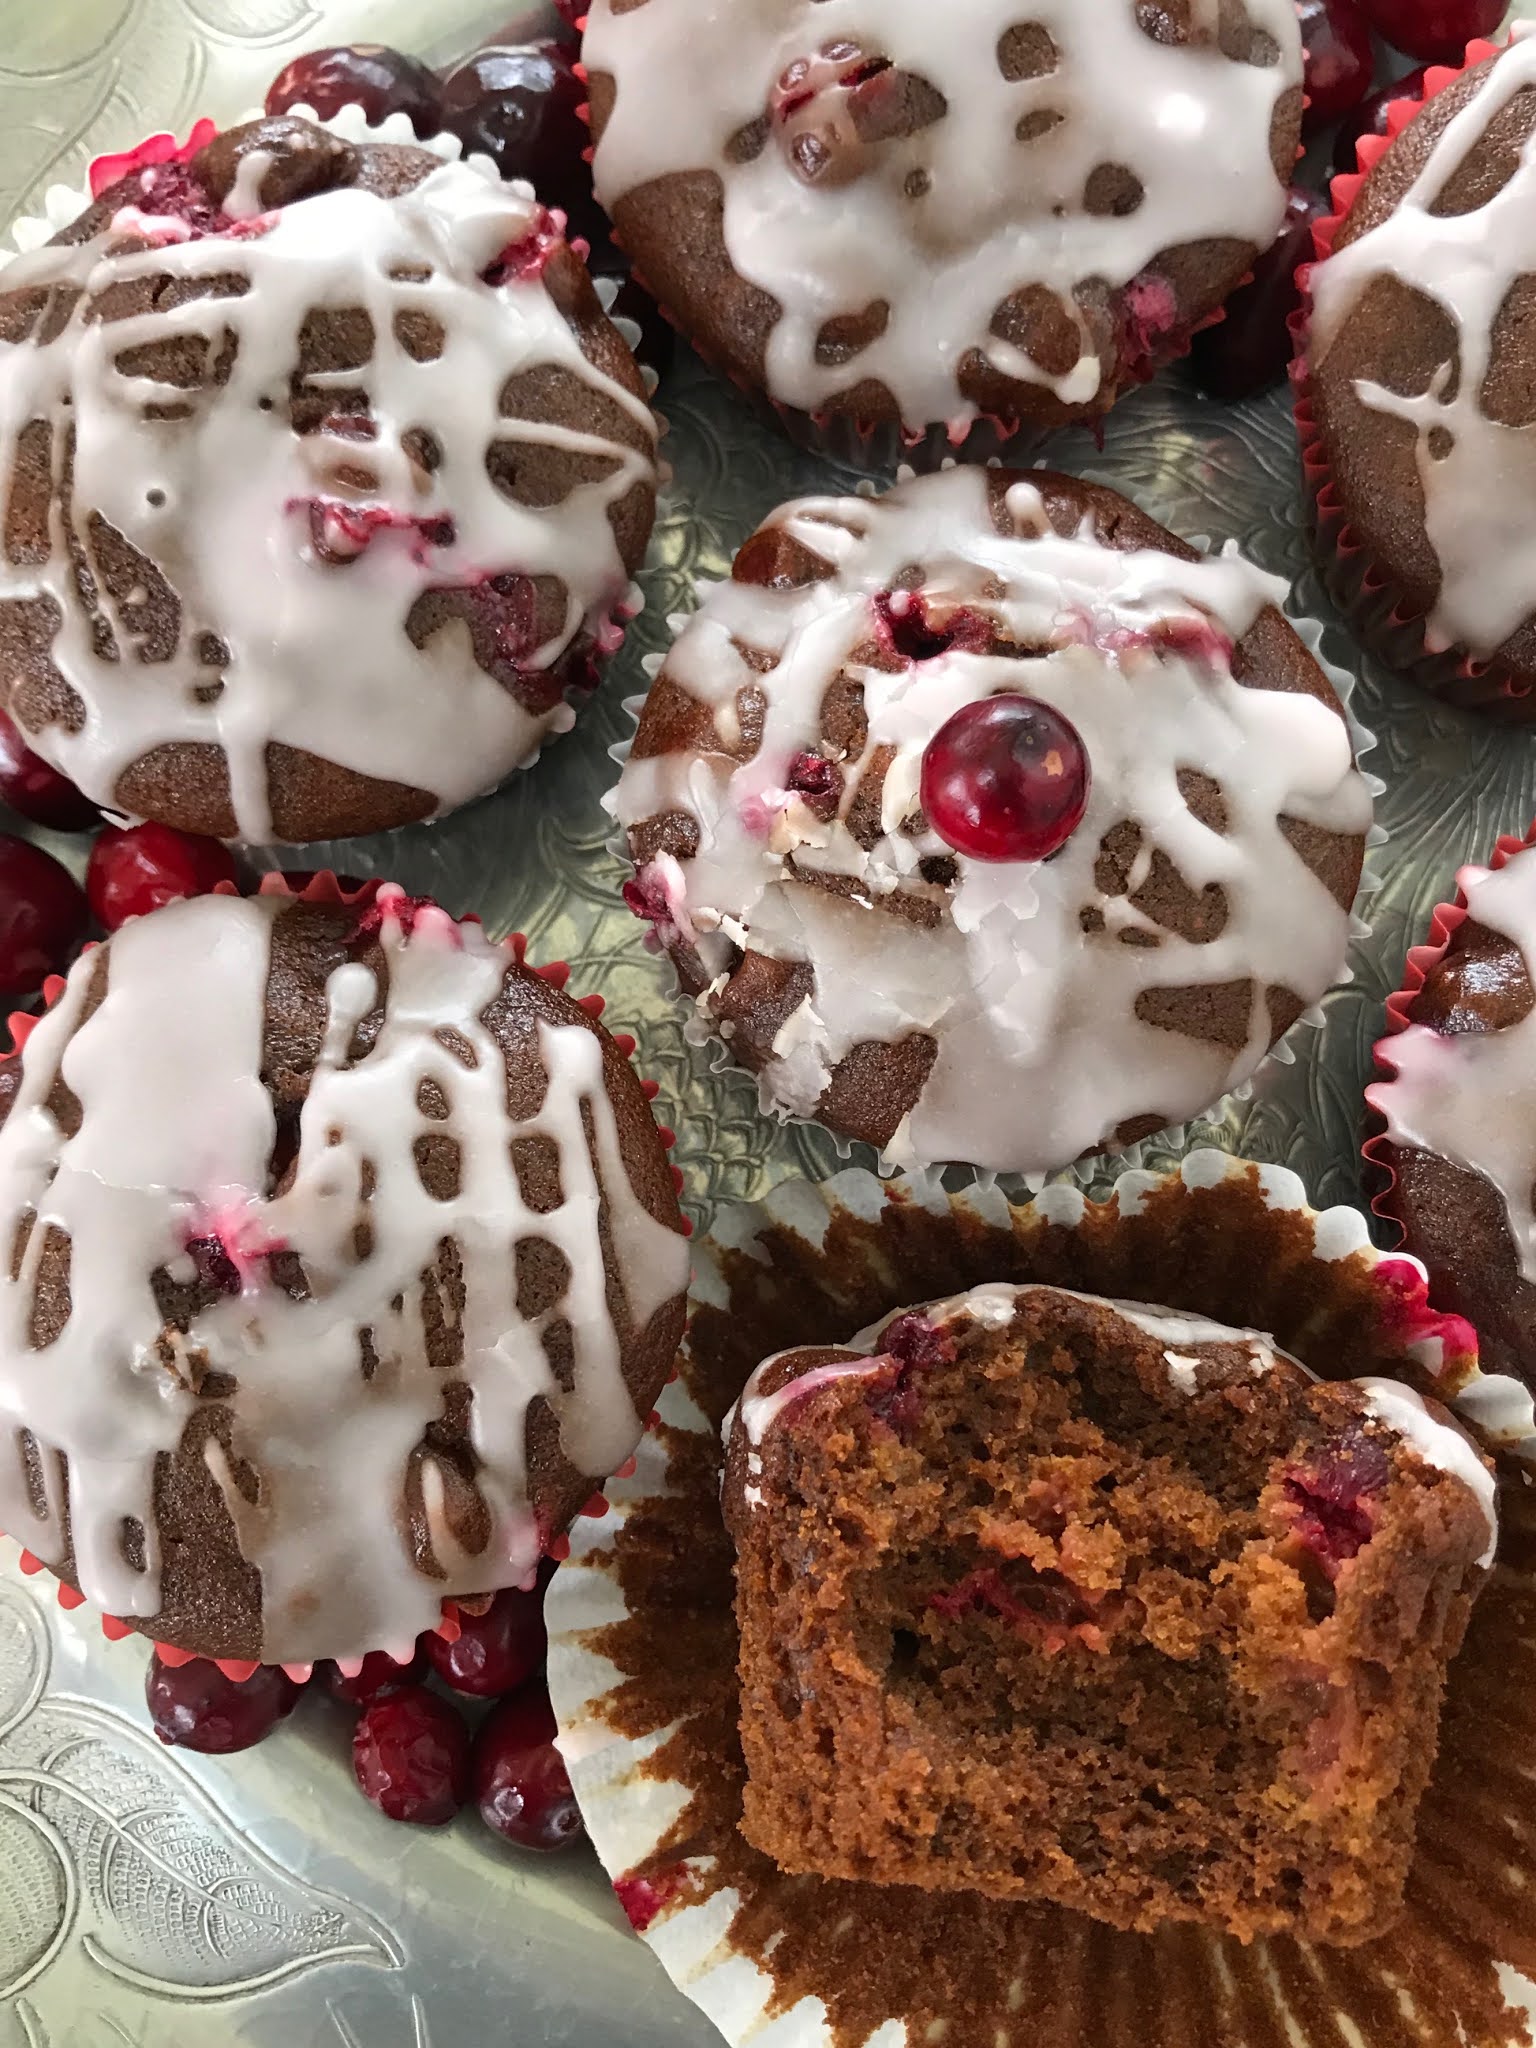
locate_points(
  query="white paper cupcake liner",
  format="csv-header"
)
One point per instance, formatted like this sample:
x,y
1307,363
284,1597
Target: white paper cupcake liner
x,y
1080,1173
847,1243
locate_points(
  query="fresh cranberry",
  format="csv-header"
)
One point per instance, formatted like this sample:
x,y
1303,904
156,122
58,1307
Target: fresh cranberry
x,y
194,1706
495,1651
1336,41
1007,778
1435,31
818,783
410,1756
521,1783
919,628
379,80
1370,117
518,106
376,1679
1251,348
39,792
42,916
134,872
1331,1496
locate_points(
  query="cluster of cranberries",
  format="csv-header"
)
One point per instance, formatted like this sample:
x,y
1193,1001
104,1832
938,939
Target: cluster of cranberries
x,y
1250,348
414,1752
44,912
518,102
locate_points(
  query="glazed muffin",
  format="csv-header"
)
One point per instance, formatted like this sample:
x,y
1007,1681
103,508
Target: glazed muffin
x,y
344,1257
1417,394
325,476
1457,1110
1053,1598
1008,212
987,822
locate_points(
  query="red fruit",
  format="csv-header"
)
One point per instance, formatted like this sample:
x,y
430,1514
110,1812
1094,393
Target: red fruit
x,y
1370,117
495,1651
1340,63
1006,779
39,792
518,105
919,628
134,872
1436,31
818,782
410,1756
521,1783
42,916
1331,1497
194,1706
379,1677
1251,348
379,80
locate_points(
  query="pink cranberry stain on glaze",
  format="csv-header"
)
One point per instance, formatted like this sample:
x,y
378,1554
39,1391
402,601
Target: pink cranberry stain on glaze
x,y
107,171
527,259
229,1246
658,895
1006,779
339,533
828,109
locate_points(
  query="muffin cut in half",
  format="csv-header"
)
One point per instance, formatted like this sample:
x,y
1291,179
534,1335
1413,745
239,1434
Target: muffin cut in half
x,y
1050,1597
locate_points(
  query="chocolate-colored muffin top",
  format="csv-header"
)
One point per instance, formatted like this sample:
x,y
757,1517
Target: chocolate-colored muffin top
x,y
1460,1117
1015,1012
1422,362
922,213
323,477
343,1257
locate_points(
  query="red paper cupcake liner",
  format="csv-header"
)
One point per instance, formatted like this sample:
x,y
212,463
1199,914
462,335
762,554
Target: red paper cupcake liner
x,y
1445,920
1380,613
886,444
324,886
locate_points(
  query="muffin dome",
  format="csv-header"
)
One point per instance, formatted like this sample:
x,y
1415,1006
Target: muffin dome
x,y
324,478
344,1256
782,806
921,213
1420,394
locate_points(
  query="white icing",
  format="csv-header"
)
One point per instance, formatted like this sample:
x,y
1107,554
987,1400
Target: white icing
x,y
1468,1096
319,657
1041,1055
1438,1443
1478,476
995,214
174,1140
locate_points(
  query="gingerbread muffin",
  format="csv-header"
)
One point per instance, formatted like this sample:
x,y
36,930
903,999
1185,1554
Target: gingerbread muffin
x,y
1054,1598
344,1257
324,476
1418,399
917,219
1456,1130
988,822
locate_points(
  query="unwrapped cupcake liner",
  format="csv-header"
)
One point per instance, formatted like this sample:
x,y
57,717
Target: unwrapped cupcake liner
x,y
1444,921
325,887
1282,1054
1379,612
63,204
642,1655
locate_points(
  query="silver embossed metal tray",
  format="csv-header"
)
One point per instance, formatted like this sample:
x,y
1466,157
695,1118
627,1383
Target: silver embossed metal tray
x,y
154,1899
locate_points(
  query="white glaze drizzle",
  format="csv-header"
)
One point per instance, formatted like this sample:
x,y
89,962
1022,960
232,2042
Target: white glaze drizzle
x,y
1468,1095
319,656
174,1139
1041,1056
996,214
1478,476
1395,1406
